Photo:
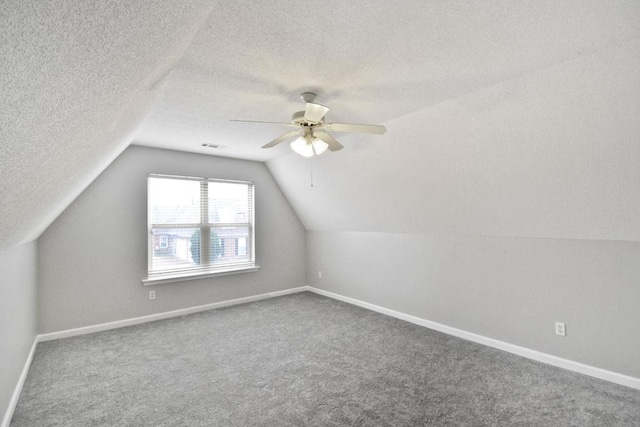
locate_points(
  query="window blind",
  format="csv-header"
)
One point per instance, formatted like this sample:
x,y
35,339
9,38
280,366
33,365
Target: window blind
x,y
199,225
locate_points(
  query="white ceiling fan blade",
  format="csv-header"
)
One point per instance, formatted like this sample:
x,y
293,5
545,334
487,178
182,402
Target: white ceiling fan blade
x,y
281,138
331,141
352,127
314,112
258,121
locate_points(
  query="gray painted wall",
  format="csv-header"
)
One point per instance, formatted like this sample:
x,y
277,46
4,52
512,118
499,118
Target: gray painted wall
x,y
17,315
93,257
510,289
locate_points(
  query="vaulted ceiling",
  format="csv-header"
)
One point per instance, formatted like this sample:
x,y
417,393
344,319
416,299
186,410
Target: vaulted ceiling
x,y
504,118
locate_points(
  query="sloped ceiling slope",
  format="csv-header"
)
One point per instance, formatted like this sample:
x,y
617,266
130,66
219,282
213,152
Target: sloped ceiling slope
x,y
504,118
553,154
369,61
76,77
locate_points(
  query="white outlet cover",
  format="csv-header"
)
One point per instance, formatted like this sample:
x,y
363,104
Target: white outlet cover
x,y
561,329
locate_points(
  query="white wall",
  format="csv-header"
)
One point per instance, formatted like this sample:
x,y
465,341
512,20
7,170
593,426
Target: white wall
x,y
17,315
512,290
93,257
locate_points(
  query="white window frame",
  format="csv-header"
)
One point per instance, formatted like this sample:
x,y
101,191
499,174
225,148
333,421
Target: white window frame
x,y
206,270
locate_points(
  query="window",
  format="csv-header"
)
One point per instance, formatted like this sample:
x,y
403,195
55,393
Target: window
x,y
199,226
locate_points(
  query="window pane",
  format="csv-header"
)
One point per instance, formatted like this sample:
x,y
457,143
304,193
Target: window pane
x,y
173,248
235,244
199,225
228,203
174,201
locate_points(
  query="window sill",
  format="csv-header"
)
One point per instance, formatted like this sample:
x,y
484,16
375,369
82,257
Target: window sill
x,y
168,278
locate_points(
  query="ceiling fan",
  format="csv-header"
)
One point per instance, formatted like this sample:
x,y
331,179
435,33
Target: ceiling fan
x,y
311,137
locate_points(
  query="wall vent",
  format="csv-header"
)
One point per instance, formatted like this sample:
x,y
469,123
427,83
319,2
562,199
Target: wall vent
x,y
222,147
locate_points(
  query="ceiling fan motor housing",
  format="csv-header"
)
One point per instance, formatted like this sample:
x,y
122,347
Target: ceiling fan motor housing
x,y
308,96
298,119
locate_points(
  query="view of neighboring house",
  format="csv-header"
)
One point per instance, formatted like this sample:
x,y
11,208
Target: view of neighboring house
x,y
176,247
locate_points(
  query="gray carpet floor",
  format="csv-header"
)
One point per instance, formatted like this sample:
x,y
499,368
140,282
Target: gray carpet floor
x,y
303,360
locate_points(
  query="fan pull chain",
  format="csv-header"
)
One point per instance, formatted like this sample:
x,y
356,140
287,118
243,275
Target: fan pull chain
x,y
311,171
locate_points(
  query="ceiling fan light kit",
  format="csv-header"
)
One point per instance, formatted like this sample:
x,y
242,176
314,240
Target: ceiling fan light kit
x,y
310,138
308,145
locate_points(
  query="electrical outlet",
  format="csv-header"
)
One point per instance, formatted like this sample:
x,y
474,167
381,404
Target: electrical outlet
x,y
319,274
561,329
152,294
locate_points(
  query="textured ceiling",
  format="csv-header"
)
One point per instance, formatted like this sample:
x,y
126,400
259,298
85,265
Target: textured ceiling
x,y
81,80
551,154
370,62
76,77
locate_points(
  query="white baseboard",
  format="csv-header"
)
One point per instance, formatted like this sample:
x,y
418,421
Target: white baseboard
x,y
6,420
549,359
165,315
